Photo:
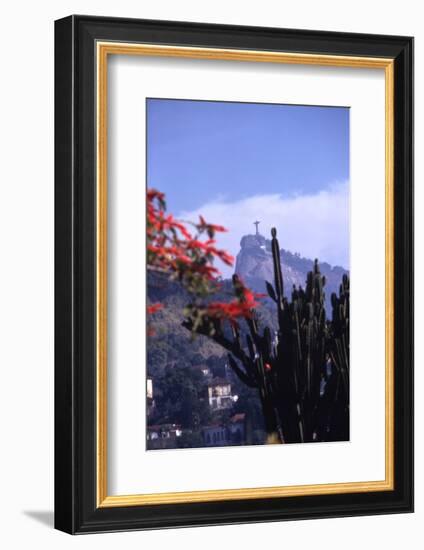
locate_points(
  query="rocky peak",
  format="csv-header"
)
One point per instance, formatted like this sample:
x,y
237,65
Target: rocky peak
x,y
254,265
254,259
253,241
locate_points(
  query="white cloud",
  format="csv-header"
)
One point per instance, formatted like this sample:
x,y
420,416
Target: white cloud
x,y
316,226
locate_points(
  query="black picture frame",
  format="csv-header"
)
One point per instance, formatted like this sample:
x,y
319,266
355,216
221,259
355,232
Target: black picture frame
x,y
76,509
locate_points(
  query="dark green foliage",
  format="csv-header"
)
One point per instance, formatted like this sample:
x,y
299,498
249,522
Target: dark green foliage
x,y
170,344
250,404
179,399
174,358
271,291
301,369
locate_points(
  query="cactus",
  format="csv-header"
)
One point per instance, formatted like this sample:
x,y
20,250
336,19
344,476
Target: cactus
x,y
303,375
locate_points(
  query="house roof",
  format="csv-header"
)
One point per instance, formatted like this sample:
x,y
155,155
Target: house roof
x,y
239,417
219,382
214,426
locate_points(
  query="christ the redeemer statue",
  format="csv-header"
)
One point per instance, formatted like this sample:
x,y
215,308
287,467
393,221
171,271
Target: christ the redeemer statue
x,y
256,224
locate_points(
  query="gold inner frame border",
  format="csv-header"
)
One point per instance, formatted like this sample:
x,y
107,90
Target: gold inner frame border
x,y
103,50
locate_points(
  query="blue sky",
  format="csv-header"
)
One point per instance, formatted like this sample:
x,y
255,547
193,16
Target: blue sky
x,y
223,159
201,150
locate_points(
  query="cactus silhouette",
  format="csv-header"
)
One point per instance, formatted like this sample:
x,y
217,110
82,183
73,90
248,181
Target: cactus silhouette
x,y
302,371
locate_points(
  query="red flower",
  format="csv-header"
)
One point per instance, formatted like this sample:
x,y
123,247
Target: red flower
x,y
153,194
154,308
187,257
210,226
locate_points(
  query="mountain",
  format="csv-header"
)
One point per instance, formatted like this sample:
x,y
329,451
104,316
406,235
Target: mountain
x,y
254,265
176,358
172,345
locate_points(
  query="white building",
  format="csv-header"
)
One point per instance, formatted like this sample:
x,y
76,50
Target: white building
x,y
219,394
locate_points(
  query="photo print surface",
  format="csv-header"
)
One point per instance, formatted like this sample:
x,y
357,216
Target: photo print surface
x,y
247,274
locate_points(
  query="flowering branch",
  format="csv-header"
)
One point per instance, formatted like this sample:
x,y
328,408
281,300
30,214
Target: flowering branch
x,y
186,252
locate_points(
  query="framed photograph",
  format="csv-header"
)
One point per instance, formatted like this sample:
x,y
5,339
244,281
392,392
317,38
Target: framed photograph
x,y
234,274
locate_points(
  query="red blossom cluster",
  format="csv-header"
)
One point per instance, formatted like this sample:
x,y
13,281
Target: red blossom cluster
x,y
241,306
153,308
173,248
188,256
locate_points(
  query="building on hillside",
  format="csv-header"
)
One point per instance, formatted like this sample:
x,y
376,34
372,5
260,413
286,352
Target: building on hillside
x,y
164,431
237,429
163,436
219,394
215,435
150,402
231,433
149,388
